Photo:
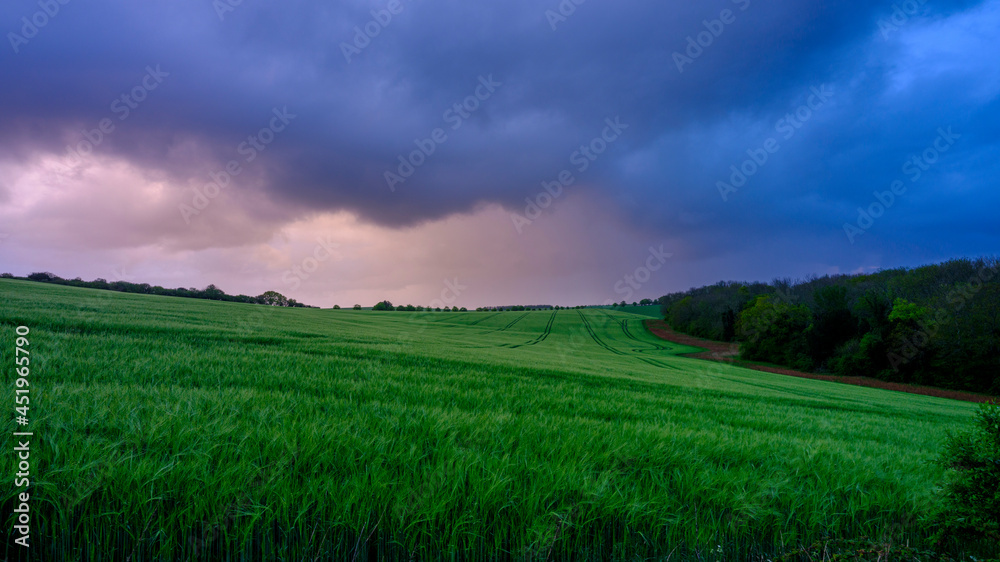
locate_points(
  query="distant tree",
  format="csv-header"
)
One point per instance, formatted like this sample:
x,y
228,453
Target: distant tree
x,y
357,307
6,276
438,309
212,292
909,356
774,331
464,309
833,322
384,305
873,309
44,276
646,302
336,307
272,298
729,325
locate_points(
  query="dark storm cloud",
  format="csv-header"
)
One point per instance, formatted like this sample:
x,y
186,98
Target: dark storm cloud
x,y
226,71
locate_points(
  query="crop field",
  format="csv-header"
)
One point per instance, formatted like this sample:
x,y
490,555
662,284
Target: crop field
x,y
650,311
170,428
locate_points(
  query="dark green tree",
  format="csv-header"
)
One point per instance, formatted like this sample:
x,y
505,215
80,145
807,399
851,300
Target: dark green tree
x,y
774,331
833,322
272,298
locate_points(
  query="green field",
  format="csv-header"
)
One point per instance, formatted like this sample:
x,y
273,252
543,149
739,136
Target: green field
x,y
171,428
651,311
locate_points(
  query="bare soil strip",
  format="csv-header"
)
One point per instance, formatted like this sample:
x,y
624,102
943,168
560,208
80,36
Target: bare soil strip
x,y
730,352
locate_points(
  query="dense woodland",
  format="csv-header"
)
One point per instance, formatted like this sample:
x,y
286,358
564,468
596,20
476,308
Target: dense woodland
x,y
937,325
271,298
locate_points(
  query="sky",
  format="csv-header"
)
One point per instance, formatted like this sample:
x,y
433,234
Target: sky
x,y
494,152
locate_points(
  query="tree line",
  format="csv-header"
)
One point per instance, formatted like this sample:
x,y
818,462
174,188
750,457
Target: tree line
x,y
388,306
211,292
937,325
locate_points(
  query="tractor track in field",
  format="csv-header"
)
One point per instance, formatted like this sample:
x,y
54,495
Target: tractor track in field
x,y
539,339
628,333
483,319
598,341
510,325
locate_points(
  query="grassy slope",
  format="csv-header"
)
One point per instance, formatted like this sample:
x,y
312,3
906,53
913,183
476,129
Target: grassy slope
x,y
651,311
208,424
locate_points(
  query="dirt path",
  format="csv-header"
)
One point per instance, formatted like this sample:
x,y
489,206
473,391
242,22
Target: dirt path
x,y
729,353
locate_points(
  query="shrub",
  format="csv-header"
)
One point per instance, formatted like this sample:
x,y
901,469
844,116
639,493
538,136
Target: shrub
x,y
970,511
